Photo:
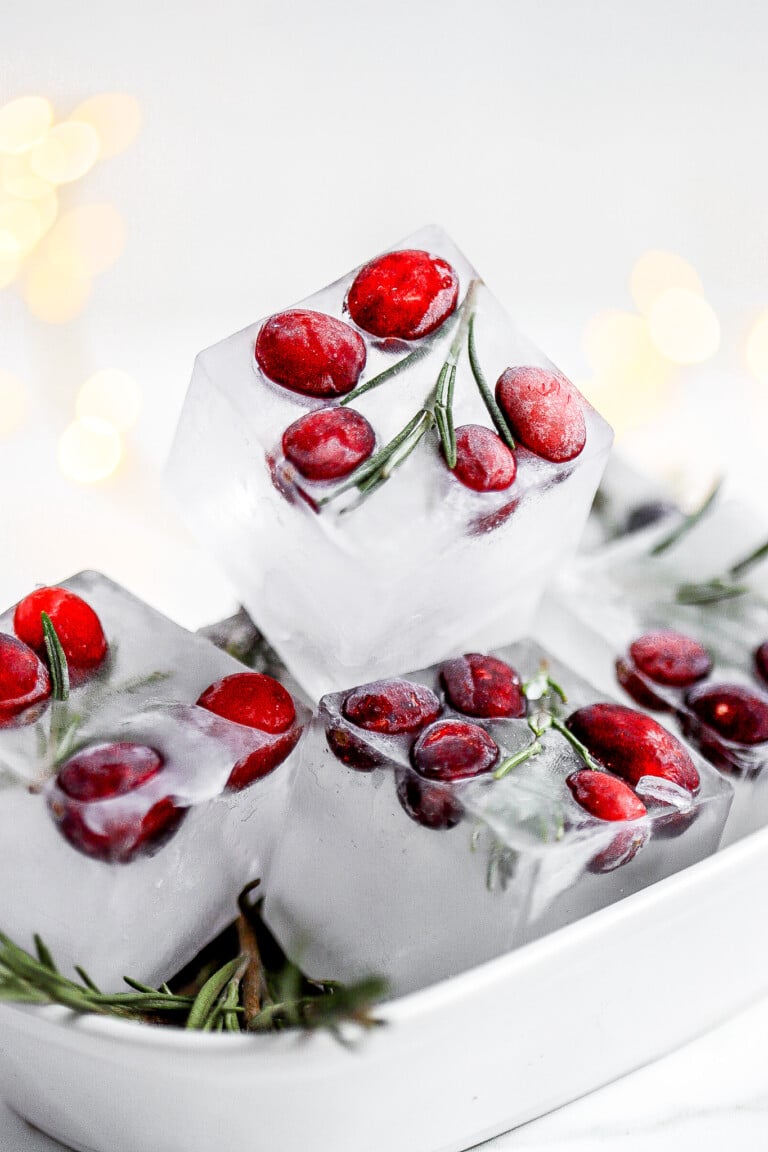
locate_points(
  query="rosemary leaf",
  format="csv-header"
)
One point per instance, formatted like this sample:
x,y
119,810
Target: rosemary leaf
x,y
205,1001
495,413
689,522
43,955
57,660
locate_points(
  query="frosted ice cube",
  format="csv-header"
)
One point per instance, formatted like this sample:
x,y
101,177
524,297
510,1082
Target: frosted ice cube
x,y
349,588
381,870
134,883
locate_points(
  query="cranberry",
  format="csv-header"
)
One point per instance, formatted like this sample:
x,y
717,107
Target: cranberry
x,y
24,679
605,796
452,750
77,626
712,747
351,750
761,661
391,707
405,294
671,658
107,770
624,846
328,444
432,805
637,688
735,712
544,410
490,521
483,461
483,686
255,701
649,513
310,352
633,745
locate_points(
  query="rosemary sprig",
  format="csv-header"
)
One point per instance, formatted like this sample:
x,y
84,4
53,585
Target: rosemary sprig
x,y
511,762
379,467
495,413
689,522
725,587
57,659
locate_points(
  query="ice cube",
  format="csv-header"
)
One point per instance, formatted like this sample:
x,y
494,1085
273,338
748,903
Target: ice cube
x,y
360,575
132,816
386,868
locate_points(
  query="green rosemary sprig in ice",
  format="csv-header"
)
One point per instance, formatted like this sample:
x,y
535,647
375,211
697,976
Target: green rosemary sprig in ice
x,y
57,659
724,587
378,468
446,381
689,521
495,413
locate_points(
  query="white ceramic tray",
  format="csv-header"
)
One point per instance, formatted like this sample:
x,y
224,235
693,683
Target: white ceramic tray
x,y
455,1064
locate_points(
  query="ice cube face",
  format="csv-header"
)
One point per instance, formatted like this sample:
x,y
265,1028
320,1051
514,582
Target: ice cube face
x,y
384,870
132,817
708,681
353,581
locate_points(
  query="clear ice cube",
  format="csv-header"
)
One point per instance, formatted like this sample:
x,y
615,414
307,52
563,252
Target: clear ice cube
x,y
382,871
79,873
355,589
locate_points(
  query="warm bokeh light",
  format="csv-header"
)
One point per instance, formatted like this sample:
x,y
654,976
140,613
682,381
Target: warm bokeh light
x,y
66,153
657,271
21,219
52,293
23,122
10,258
110,395
757,348
86,240
18,179
618,346
116,118
90,449
684,326
13,403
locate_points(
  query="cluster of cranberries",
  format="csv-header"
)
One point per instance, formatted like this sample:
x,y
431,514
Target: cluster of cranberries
x,y
404,295
713,714
81,794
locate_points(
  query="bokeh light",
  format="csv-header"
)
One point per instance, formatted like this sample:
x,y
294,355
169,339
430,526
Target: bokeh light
x,y
10,258
86,240
618,346
116,118
684,326
21,219
13,403
23,122
52,293
110,395
17,179
65,153
90,449
657,271
757,348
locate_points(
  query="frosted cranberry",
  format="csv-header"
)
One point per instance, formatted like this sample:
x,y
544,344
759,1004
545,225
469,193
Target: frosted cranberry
x,y
633,745
452,750
391,707
310,352
761,661
544,410
77,626
106,770
671,658
483,461
483,686
432,805
351,750
255,701
605,796
490,521
636,687
328,444
405,294
735,712
24,679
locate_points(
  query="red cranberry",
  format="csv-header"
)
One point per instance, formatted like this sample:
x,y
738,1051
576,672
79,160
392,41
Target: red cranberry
x,y
490,521
483,686
761,661
671,658
636,687
255,701
711,746
106,770
735,712
391,707
24,679
77,626
483,461
328,444
605,796
452,750
405,294
633,745
624,846
351,750
310,352
544,410
432,805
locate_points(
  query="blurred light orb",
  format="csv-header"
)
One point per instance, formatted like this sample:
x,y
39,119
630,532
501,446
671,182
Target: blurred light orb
x,y
53,294
13,403
90,449
86,240
18,179
65,153
657,271
115,117
110,395
10,258
22,220
757,348
23,122
618,347
684,326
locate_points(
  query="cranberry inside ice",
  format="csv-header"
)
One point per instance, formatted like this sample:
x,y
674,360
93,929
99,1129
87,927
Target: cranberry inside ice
x,y
391,707
735,712
483,686
77,626
24,679
483,461
605,796
545,412
310,352
328,444
761,661
107,770
405,294
432,805
255,701
671,658
452,750
636,687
